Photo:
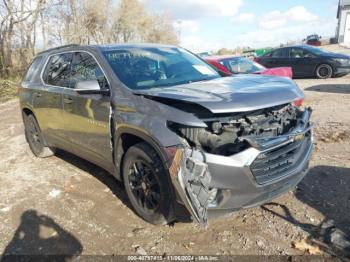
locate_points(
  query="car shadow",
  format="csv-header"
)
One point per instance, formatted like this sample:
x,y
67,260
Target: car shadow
x,y
116,187
40,235
327,190
331,88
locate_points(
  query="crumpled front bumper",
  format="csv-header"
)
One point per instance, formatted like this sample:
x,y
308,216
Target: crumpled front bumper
x,y
260,173
342,70
222,184
237,186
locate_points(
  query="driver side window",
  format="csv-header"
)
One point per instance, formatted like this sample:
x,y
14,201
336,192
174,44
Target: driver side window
x,y
85,68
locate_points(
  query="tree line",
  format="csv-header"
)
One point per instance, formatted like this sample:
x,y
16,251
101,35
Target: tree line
x,y
29,26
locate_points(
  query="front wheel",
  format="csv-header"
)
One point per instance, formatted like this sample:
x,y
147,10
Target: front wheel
x,y
146,184
324,71
35,138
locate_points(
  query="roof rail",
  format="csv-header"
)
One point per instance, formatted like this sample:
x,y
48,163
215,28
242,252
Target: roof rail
x,y
56,48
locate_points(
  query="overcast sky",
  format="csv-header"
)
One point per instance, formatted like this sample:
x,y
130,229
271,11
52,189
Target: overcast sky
x,y
211,24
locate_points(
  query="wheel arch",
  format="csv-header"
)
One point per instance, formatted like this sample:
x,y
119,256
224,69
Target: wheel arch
x,y
26,111
125,138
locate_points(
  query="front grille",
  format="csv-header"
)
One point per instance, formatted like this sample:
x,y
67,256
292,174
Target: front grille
x,y
276,163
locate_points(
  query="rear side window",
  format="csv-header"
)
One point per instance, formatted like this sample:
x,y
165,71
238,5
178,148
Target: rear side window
x,y
84,68
57,71
33,70
278,53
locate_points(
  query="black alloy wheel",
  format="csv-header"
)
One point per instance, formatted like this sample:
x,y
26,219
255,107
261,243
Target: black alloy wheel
x,y
324,71
147,184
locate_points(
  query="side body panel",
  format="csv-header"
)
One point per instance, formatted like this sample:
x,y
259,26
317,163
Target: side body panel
x,y
86,120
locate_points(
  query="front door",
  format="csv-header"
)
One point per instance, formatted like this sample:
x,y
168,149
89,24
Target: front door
x,y
302,62
86,116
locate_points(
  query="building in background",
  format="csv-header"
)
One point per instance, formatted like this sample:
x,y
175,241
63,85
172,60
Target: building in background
x,y
343,28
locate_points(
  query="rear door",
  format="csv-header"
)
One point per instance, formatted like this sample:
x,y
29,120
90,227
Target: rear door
x,y
276,58
86,116
47,101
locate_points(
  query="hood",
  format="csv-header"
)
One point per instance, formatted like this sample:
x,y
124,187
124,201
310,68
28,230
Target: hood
x,y
239,93
336,55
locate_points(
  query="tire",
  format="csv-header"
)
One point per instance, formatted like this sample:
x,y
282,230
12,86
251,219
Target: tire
x,y
324,71
35,138
147,185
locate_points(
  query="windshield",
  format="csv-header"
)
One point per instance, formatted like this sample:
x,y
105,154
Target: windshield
x,y
242,65
144,68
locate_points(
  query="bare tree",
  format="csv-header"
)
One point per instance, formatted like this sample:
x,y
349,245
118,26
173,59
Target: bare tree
x,y
13,16
162,30
130,21
29,25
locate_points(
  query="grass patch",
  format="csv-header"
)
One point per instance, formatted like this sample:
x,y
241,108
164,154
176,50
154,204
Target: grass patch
x,y
8,89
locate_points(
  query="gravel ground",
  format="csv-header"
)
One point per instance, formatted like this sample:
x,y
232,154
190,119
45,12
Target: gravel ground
x,y
65,205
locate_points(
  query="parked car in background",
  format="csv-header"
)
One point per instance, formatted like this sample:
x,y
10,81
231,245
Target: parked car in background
x,y
165,123
229,65
203,54
313,40
307,61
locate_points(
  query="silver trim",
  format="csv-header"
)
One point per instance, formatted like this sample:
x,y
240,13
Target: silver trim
x,y
65,52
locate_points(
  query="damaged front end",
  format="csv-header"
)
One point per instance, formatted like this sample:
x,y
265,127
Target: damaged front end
x,y
191,179
273,141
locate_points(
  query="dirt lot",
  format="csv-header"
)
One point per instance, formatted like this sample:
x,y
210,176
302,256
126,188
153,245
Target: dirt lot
x,y
65,205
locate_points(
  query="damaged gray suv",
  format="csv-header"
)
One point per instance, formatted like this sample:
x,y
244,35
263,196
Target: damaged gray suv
x,y
183,139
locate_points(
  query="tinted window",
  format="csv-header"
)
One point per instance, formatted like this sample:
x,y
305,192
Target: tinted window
x,y
143,68
268,54
277,53
84,68
298,53
242,65
57,71
34,69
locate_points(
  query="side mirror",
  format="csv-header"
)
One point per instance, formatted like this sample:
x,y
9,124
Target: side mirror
x,y
89,87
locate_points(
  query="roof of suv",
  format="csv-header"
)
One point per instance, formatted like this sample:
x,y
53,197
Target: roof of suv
x,y
128,45
105,47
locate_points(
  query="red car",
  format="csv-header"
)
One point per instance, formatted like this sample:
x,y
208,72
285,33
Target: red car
x,y
313,40
229,65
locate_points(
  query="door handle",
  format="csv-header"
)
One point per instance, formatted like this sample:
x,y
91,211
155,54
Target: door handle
x,y
68,100
38,94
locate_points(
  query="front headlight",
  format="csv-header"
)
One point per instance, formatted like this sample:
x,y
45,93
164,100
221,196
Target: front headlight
x,y
342,61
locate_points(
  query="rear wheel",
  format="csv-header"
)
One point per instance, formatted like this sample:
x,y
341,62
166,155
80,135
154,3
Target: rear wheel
x,y
146,184
35,139
324,71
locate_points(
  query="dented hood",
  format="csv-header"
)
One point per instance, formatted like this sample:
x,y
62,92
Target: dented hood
x,y
232,94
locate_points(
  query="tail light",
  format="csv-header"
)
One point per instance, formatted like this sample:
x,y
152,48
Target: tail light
x,y
298,102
